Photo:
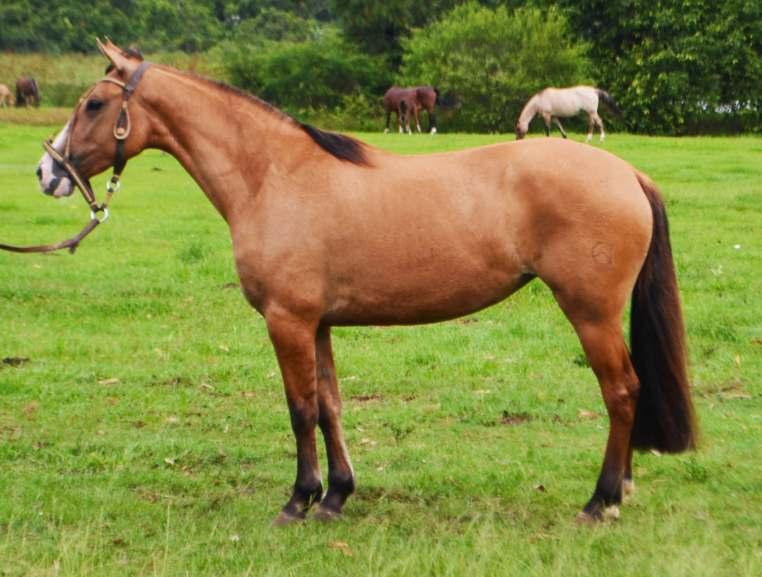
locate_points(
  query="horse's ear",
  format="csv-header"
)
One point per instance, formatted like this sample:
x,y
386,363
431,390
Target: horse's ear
x,y
115,55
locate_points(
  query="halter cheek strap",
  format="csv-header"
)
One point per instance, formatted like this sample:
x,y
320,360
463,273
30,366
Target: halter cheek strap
x,y
122,129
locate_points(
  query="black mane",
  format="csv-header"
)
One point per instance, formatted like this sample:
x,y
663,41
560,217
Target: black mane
x,y
339,145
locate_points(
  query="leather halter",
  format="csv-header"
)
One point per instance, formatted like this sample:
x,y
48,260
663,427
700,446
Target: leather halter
x,y
122,129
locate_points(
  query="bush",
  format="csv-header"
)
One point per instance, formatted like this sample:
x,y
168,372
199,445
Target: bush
x,y
493,61
313,74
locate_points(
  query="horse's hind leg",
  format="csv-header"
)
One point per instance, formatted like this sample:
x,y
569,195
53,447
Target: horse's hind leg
x,y
388,118
599,122
600,332
341,481
590,125
294,342
561,128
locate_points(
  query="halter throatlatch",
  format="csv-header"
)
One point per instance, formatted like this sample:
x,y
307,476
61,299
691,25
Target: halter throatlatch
x,y
98,212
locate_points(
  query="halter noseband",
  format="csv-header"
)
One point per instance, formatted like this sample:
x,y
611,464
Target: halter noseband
x,y
122,129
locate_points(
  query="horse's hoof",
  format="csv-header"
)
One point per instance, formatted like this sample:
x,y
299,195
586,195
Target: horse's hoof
x,y
584,518
610,513
284,519
326,515
628,488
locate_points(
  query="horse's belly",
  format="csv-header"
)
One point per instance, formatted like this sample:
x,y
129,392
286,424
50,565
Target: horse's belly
x,y
425,297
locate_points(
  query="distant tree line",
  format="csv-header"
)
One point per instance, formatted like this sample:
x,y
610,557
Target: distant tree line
x,y
675,66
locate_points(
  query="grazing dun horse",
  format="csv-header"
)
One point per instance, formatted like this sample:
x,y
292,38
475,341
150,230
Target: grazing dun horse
x,y
27,92
403,101
555,103
6,98
327,231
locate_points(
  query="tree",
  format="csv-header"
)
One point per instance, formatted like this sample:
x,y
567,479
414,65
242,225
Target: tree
x,y
676,65
316,73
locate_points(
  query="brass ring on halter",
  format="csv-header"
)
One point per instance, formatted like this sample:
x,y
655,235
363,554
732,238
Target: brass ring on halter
x,y
122,132
95,212
113,184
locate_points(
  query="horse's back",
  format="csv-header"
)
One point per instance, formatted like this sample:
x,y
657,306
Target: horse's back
x,y
450,233
567,101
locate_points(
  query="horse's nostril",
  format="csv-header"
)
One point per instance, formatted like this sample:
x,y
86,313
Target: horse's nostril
x,y
39,172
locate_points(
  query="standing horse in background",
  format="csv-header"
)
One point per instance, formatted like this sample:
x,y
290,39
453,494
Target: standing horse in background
x,y
553,103
6,98
403,101
327,231
27,92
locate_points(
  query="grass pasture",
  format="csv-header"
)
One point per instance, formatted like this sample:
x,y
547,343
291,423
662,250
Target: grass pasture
x,y
143,428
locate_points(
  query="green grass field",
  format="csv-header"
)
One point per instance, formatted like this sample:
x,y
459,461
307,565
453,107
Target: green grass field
x,y
143,427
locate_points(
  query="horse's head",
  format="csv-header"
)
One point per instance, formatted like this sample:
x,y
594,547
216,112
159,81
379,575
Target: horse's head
x,y
521,130
102,131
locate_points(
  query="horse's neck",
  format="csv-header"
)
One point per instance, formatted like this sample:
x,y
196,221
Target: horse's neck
x,y
225,141
529,110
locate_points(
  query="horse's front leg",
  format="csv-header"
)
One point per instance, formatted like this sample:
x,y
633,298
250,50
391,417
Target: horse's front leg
x,y
294,341
416,111
341,482
546,118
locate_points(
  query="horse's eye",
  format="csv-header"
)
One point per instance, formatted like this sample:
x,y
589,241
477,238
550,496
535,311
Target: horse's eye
x,y
93,105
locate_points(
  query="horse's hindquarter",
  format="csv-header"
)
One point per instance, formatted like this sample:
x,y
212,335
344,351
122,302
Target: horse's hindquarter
x,y
588,224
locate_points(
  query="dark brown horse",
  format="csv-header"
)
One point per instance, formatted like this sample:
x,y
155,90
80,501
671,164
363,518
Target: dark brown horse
x,y
27,92
403,101
327,231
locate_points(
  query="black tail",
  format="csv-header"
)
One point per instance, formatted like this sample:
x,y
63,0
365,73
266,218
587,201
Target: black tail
x,y
664,418
609,101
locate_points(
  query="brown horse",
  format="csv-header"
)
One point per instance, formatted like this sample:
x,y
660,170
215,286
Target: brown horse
x,y
27,92
6,98
328,231
407,100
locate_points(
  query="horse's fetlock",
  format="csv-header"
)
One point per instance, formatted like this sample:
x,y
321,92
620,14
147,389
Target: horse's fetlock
x,y
342,483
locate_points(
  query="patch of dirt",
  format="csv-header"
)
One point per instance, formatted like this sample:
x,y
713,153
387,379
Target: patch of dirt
x,y
508,418
15,361
366,398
